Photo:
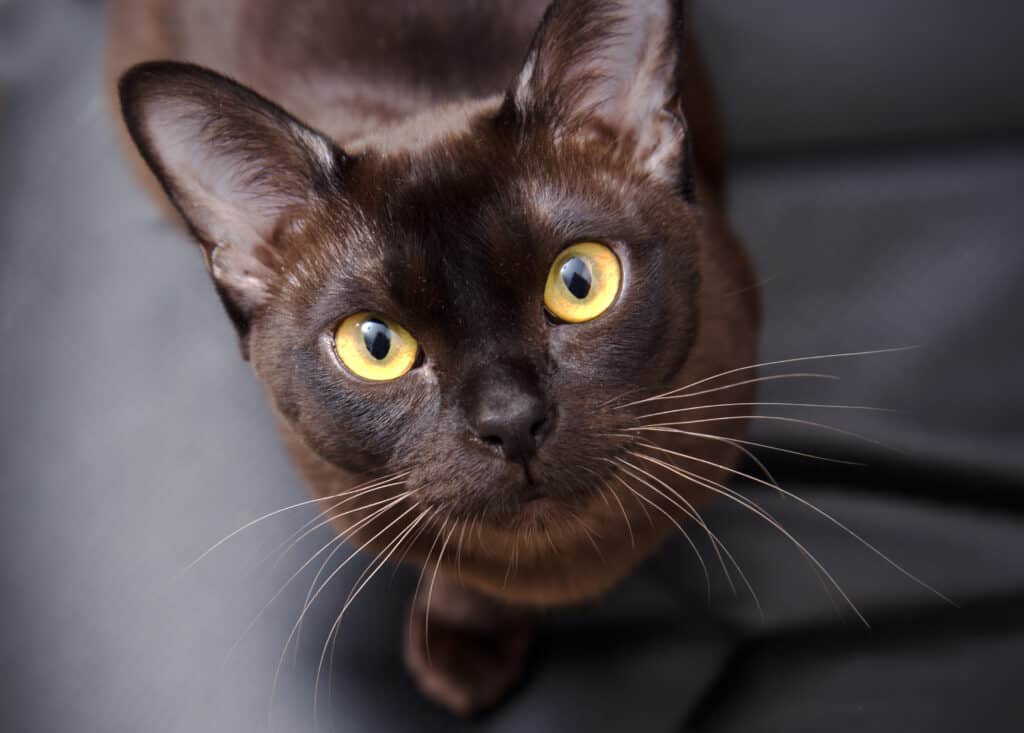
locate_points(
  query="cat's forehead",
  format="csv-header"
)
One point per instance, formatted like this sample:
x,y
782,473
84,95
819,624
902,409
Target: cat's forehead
x,y
425,131
470,248
464,229
436,249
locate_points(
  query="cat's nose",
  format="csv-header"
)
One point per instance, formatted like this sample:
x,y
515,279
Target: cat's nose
x,y
511,419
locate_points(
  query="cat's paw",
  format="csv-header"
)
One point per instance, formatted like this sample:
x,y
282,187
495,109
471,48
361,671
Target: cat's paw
x,y
471,664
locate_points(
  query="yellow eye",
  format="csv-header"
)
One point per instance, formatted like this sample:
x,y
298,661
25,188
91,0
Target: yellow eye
x,y
375,348
583,282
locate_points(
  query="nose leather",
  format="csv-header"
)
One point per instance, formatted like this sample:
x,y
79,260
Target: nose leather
x,y
509,413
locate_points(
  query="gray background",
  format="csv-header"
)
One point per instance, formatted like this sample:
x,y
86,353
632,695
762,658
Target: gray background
x,y
878,178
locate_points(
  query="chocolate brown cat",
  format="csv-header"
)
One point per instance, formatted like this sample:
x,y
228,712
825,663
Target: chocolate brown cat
x,y
476,255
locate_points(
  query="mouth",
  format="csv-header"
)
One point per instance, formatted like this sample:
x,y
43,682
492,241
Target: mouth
x,y
532,495
536,510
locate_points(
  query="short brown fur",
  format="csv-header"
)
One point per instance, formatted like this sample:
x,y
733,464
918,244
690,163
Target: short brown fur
x,y
417,119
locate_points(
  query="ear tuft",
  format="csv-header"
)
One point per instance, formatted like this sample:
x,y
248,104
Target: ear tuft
x,y
235,165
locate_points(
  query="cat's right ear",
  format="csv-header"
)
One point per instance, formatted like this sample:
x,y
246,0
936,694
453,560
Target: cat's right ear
x,y
240,170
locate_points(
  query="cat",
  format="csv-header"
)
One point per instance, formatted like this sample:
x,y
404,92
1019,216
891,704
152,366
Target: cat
x,y
472,251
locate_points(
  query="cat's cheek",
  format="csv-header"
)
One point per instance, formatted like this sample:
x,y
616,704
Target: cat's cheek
x,y
360,432
356,426
594,354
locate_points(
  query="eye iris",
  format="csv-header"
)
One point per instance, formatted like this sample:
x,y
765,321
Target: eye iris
x,y
377,338
577,277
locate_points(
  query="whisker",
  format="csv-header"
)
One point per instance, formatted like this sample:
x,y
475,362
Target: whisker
x,y
738,446
625,516
812,405
430,589
337,540
821,512
778,362
511,556
623,395
323,585
332,637
324,518
338,548
695,477
589,533
759,511
766,446
775,418
716,543
423,568
357,584
266,516
524,530
679,527
756,380
458,551
686,535
643,507
601,481
412,543
631,438
480,530
551,541
393,544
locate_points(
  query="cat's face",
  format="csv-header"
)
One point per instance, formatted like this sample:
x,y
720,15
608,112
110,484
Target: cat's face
x,y
398,299
504,401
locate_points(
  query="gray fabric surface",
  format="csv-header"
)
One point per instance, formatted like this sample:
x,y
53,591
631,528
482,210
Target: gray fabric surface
x,y
796,74
132,437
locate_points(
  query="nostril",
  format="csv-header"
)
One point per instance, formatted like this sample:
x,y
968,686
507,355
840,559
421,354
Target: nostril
x,y
511,423
492,440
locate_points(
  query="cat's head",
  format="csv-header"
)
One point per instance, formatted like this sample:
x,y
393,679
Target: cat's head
x,y
464,296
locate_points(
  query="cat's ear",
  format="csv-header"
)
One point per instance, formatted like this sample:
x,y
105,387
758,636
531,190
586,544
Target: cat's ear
x,y
239,169
609,68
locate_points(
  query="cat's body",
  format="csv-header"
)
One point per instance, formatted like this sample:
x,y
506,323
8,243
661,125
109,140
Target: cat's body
x,y
454,181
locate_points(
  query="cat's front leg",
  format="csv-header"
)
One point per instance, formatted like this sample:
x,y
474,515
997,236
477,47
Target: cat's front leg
x,y
469,651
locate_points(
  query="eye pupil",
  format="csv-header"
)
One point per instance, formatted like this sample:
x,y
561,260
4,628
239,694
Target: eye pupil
x,y
377,338
577,278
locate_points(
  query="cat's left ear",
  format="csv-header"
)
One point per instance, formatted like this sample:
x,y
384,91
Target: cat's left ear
x,y
241,171
610,68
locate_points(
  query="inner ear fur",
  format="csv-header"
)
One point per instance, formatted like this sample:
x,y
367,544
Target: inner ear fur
x,y
610,68
239,169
